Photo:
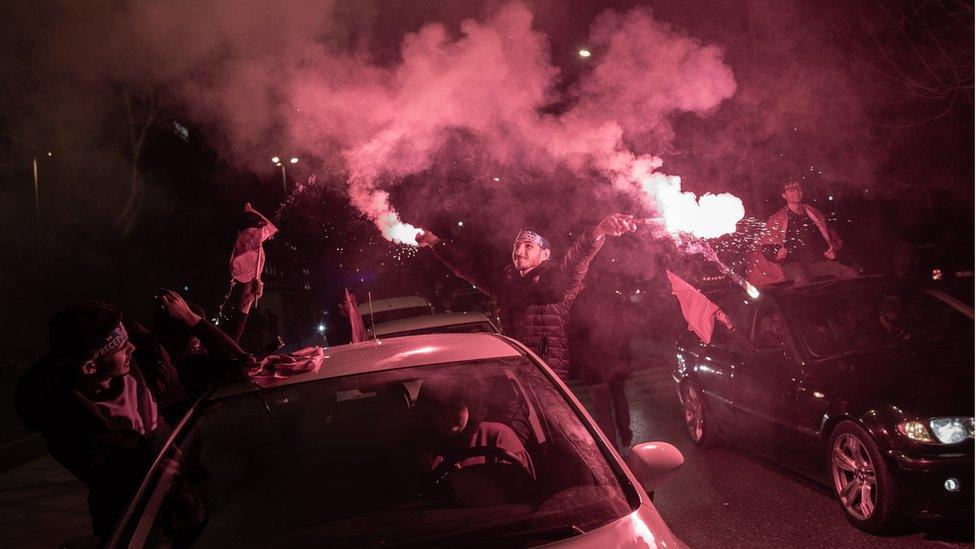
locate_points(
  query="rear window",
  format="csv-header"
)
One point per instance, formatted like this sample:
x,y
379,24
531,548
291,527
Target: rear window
x,y
469,328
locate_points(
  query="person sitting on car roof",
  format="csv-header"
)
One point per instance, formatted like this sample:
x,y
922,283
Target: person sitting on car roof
x,y
449,418
104,397
796,244
534,293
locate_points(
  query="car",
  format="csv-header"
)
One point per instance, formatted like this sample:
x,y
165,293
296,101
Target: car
x,y
442,323
864,384
379,311
327,458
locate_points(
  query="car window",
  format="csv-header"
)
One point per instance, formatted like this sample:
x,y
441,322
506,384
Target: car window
x,y
884,315
352,461
468,328
740,312
770,332
395,314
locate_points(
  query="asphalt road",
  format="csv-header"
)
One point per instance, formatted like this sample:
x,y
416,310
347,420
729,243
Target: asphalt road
x,y
728,497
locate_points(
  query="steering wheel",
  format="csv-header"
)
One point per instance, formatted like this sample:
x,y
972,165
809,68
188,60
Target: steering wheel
x,y
450,462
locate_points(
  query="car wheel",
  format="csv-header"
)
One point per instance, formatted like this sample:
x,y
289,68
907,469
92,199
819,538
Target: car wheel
x,y
699,426
861,479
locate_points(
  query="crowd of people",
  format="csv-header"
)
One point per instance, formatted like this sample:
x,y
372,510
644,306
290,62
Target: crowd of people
x,y
109,390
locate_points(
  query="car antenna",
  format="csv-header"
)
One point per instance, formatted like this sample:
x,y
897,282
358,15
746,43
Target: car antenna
x,y
372,316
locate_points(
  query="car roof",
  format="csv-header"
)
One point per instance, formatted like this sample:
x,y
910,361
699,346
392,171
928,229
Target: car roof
x,y
428,321
819,285
400,352
392,304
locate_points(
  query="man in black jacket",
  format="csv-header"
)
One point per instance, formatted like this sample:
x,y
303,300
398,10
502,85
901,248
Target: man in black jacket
x,y
105,396
534,293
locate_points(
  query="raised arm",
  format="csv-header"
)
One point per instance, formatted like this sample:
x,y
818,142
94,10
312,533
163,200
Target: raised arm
x,y
577,260
460,262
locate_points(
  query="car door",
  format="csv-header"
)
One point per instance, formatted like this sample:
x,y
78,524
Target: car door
x,y
764,387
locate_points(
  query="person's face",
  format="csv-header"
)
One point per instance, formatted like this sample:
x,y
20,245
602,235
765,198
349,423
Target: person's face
x,y
527,255
891,308
451,421
114,364
793,193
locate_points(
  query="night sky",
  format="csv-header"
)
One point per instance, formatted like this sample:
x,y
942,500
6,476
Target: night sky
x,y
153,122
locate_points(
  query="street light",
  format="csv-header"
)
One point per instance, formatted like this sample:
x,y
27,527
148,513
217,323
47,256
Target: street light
x,y
284,175
37,207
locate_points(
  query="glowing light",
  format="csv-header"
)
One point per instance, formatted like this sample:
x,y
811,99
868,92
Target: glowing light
x,y
585,53
402,233
708,216
275,159
320,328
496,179
460,223
294,160
751,290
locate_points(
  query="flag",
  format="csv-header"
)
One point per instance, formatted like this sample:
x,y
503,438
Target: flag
x,y
247,259
696,308
355,319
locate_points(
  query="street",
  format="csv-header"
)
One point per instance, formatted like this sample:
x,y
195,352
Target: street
x,y
727,497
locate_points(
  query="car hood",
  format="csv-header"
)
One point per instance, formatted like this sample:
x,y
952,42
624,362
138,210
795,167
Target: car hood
x,y
642,528
930,380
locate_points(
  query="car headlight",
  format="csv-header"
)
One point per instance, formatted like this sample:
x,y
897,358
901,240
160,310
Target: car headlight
x,y
950,430
915,430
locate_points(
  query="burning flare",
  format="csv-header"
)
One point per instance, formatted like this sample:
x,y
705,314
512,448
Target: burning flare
x,y
710,216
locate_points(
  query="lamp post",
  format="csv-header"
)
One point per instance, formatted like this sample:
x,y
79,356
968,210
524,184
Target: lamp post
x,y
284,174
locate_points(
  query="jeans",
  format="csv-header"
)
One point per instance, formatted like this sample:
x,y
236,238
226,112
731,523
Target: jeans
x,y
612,410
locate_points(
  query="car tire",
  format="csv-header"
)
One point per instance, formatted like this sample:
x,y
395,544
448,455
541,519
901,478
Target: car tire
x,y
861,479
698,424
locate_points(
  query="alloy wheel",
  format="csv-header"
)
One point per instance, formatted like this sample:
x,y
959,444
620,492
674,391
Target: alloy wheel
x,y
854,476
694,419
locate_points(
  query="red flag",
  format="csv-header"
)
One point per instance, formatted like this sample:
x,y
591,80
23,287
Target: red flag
x,y
696,308
355,319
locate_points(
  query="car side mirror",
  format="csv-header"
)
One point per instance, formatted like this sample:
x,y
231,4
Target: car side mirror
x,y
654,463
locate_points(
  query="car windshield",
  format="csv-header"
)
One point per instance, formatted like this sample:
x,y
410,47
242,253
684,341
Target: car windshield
x,y
372,459
879,316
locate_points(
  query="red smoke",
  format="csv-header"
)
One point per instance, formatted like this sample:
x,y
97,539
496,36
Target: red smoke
x,y
298,77
493,82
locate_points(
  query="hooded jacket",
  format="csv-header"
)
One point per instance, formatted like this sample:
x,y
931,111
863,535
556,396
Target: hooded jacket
x,y
763,272
534,308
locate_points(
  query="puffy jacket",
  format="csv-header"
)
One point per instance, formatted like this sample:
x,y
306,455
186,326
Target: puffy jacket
x,y
533,309
763,272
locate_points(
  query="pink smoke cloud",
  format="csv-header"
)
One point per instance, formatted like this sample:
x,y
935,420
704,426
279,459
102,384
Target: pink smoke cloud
x,y
288,78
493,82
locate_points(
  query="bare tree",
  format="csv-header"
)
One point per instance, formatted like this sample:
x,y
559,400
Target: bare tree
x,y
139,118
913,51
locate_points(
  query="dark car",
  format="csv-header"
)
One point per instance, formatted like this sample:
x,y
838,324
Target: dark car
x,y
864,384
